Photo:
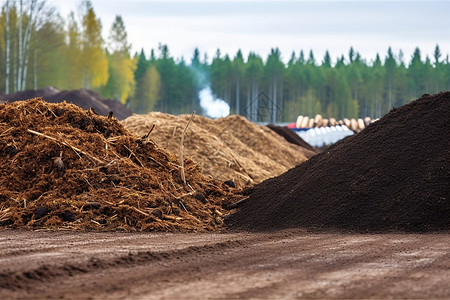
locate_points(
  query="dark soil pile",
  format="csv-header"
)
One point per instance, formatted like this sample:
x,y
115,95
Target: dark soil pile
x,y
29,94
62,167
290,136
83,98
394,175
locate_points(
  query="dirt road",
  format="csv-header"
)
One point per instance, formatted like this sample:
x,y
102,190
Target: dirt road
x,y
288,264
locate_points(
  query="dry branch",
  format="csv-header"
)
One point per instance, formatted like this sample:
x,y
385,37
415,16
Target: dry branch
x,y
144,137
140,163
183,177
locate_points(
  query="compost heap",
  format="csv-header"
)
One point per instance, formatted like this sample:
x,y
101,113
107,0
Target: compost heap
x,y
62,167
230,148
394,175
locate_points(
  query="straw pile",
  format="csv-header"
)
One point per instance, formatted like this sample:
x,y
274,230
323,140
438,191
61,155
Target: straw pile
x,y
230,148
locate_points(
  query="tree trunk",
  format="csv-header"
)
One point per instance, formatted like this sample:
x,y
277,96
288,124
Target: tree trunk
x,y
256,102
35,70
20,58
26,44
390,94
7,49
274,101
238,100
15,69
249,101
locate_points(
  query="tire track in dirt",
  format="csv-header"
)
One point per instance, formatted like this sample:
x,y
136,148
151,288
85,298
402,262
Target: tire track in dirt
x,y
369,273
14,280
286,264
96,260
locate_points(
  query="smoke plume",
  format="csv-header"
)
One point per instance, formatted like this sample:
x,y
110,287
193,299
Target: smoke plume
x,y
213,107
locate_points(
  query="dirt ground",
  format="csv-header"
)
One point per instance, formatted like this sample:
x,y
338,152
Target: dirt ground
x,y
284,264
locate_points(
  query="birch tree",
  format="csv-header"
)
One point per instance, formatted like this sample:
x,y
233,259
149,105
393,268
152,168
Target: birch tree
x,y
94,62
7,50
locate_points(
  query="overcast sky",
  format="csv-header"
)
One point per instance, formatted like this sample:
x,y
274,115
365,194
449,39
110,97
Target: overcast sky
x,y
369,26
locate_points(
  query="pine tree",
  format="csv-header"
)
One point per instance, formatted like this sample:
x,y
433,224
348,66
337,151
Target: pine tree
x,y
274,71
121,81
238,71
254,73
416,74
390,66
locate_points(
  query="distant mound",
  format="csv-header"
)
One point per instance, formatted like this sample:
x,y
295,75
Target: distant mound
x,y
62,167
290,136
83,98
394,175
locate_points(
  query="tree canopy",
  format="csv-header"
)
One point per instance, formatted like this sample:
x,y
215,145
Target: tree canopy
x,y
39,48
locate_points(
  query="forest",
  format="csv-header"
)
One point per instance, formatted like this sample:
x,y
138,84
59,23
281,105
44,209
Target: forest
x,y
40,48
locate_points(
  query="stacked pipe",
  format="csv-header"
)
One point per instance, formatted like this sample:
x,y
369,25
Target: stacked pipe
x,y
356,125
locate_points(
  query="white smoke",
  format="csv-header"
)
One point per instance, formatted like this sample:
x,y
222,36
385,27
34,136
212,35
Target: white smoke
x,y
213,107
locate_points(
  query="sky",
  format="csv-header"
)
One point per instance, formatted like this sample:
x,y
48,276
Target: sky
x,y
370,27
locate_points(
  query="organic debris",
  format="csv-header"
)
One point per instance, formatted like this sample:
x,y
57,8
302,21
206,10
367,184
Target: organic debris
x,y
394,175
62,167
230,148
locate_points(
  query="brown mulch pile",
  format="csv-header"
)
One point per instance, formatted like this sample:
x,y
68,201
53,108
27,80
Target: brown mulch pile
x,y
230,148
394,175
62,167
83,98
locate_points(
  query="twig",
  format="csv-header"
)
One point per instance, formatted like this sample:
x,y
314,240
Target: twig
x,y
88,183
182,204
52,112
183,177
134,155
66,144
156,162
236,204
6,131
134,208
148,133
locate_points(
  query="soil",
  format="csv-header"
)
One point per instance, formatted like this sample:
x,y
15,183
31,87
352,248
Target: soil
x,y
394,175
230,148
83,98
62,167
282,265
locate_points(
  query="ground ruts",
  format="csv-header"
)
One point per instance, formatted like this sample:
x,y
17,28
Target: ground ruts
x,y
286,264
394,175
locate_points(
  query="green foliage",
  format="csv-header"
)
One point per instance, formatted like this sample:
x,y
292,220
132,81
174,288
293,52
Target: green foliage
x,y
121,82
148,92
94,62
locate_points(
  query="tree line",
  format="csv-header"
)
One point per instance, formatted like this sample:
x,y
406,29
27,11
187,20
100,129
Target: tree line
x,y
39,48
